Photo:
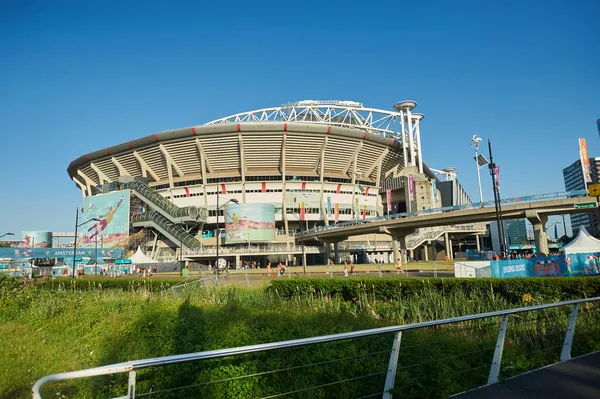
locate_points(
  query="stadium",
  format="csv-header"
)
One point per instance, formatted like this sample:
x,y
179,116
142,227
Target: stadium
x,y
293,167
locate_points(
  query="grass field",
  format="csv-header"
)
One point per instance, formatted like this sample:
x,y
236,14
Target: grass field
x,y
48,331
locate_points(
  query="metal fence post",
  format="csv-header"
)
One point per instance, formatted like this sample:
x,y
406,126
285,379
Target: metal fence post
x,y
131,385
565,354
497,359
391,372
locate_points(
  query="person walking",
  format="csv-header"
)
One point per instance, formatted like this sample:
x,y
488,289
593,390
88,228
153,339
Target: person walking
x,y
352,269
399,267
345,269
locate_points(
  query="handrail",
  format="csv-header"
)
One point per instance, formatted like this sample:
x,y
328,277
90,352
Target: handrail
x,y
131,366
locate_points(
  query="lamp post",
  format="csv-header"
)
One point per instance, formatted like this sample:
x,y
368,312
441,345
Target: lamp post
x,y
497,204
96,258
218,207
7,234
75,241
479,162
305,195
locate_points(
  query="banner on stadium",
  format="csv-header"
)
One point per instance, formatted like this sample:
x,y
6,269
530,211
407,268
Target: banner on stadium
x,y
250,223
337,212
585,161
388,197
329,206
551,266
434,189
112,228
411,187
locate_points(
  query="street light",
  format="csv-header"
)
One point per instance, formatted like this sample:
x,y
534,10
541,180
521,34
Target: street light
x,y
305,195
75,241
480,161
7,234
219,207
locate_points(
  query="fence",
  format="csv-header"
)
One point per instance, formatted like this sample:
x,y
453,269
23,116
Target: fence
x,y
431,358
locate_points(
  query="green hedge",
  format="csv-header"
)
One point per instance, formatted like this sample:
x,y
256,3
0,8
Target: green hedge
x,y
84,284
393,289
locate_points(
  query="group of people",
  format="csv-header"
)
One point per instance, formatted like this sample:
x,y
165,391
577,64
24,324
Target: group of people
x,y
280,269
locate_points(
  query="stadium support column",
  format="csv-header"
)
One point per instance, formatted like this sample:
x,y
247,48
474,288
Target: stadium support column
x,y
398,244
448,243
477,243
425,252
336,252
539,229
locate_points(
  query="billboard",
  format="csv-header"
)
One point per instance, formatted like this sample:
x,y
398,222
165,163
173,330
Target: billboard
x,y
249,223
112,227
36,239
585,161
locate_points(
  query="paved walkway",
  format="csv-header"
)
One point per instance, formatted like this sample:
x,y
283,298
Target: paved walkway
x,y
577,378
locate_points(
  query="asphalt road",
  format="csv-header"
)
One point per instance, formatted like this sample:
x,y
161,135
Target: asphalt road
x,y
577,378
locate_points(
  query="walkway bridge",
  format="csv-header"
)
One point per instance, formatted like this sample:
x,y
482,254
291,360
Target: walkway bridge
x,y
535,208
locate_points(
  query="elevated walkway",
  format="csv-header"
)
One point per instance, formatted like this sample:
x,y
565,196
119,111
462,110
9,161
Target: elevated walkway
x,y
173,232
175,214
576,378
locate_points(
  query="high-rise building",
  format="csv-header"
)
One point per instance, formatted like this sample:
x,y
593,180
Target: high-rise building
x,y
574,180
516,230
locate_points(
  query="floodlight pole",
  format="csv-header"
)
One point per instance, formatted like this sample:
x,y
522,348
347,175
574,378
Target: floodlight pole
x,y
497,204
75,240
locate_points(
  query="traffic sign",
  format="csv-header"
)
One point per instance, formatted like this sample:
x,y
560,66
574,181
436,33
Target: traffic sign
x,y
585,205
594,190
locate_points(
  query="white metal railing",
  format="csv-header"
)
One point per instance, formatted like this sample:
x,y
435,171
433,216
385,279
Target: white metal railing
x,y
494,367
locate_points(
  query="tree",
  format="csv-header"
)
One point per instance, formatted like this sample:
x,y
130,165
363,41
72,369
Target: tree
x,y
4,244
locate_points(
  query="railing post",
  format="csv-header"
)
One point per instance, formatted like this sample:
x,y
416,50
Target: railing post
x,y
391,372
565,354
497,359
131,385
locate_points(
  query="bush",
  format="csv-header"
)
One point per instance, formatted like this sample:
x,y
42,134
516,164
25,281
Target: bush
x,y
542,289
120,283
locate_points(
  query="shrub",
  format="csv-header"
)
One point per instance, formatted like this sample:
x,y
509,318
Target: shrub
x,y
542,289
120,283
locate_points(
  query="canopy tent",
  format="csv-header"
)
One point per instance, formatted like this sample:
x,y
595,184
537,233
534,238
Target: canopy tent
x,y
584,243
139,258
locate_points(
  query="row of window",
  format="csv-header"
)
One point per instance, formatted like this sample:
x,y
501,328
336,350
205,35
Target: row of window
x,y
307,211
214,180
268,191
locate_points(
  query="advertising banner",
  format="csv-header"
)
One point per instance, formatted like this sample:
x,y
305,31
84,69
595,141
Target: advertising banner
x,y
497,177
585,161
36,239
249,223
411,187
551,266
112,227
329,206
15,254
337,212
434,189
388,194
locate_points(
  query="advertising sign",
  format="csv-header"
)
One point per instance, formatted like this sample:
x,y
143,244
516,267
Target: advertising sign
x,y
36,239
112,227
497,177
329,206
337,212
249,223
434,188
551,266
411,187
585,161
388,194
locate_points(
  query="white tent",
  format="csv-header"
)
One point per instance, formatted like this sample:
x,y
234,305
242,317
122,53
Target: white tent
x,y
139,258
584,243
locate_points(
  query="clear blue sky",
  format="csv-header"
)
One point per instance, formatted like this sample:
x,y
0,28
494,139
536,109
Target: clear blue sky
x,y
78,76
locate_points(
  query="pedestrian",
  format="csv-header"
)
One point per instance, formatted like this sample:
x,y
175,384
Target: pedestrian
x,y
345,269
352,268
399,267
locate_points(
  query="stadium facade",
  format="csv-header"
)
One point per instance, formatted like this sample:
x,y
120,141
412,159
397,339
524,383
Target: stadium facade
x,y
306,163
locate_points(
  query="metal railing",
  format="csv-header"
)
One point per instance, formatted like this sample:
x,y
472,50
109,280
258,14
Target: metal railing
x,y
392,372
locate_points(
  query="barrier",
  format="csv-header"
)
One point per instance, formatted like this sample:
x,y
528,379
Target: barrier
x,y
551,266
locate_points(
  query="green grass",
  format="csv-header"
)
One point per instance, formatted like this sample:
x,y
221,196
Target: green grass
x,y
48,331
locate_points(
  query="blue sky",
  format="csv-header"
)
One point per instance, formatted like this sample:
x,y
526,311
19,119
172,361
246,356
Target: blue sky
x,y
80,76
